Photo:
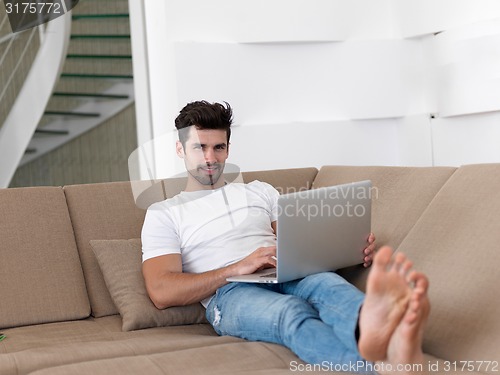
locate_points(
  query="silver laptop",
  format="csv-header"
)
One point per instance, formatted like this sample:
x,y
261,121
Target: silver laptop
x,y
318,230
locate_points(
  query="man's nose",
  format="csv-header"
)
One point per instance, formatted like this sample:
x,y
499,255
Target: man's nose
x,y
210,156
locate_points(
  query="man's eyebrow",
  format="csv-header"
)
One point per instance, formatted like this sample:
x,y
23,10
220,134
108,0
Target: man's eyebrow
x,y
196,144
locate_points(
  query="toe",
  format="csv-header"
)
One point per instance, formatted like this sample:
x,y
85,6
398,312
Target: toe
x,y
383,257
405,267
419,281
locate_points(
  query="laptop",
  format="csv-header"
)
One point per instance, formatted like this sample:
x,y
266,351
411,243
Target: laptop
x,y
318,230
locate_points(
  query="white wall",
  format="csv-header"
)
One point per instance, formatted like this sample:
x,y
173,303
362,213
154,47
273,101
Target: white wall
x,y
467,139
315,82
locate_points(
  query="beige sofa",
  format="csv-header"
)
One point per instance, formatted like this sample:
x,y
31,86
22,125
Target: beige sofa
x,y
60,296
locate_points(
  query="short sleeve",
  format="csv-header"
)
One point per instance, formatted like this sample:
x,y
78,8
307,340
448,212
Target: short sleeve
x,y
272,196
159,234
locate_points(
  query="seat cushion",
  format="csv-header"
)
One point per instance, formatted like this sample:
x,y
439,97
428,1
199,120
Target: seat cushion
x,y
32,348
219,358
41,278
99,346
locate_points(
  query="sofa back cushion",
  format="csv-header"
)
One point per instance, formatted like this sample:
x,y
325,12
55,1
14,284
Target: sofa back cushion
x,y
456,243
285,180
105,211
399,196
41,278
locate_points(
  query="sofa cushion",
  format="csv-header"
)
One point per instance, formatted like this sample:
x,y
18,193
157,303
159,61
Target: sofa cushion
x,y
456,243
284,180
121,265
399,196
100,212
32,348
101,345
219,358
41,278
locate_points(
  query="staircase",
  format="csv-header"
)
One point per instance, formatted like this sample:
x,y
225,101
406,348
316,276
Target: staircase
x,y
96,81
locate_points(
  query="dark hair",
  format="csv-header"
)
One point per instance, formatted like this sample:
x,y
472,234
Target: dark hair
x,y
204,115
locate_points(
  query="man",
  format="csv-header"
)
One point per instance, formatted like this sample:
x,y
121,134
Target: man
x,y
213,230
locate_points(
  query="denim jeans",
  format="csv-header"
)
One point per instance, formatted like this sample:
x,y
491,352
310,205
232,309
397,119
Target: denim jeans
x,y
315,317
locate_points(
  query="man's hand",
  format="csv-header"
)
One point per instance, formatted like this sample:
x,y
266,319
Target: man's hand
x,y
263,257
369,251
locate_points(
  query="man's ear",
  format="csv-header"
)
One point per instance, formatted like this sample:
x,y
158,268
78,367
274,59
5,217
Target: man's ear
x,y
179,149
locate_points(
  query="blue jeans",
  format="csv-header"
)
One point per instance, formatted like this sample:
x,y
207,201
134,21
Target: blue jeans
x,y
316,317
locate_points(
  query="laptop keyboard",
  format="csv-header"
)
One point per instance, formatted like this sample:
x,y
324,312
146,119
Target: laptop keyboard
x,y
272,274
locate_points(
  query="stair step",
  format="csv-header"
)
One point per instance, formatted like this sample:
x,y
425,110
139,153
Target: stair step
x,y
99,56
77,114
63,103
90,95
103,46
108,15
89,7
101,26
82,56
51,132
99,66
100,36
72,84
98,76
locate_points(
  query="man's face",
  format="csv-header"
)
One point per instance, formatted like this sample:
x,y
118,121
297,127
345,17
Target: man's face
x,y
204,155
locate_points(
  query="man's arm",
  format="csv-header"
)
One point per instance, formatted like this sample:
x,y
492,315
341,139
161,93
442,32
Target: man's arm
x,y
168,286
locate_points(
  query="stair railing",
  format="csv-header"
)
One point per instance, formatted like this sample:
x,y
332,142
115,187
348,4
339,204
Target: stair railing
x,y
31,102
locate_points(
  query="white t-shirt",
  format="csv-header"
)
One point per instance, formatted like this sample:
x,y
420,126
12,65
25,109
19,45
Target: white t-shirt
x,y
211,228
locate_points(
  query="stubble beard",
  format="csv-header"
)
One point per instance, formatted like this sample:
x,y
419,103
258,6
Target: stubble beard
x,y
207,179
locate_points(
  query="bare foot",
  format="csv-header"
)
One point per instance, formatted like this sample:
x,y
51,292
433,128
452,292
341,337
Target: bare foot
x,y
387,296
405,346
